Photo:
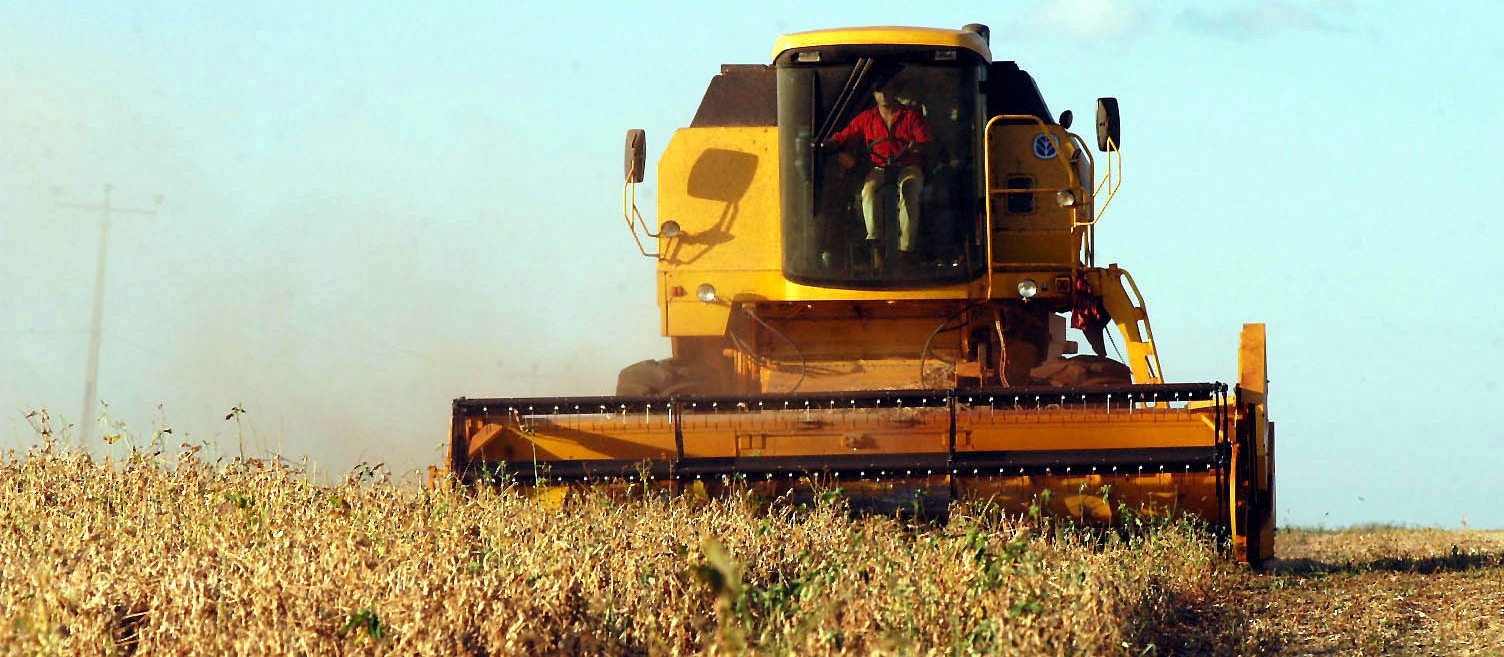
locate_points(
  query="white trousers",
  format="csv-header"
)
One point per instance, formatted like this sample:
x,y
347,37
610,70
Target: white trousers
x,y
910,185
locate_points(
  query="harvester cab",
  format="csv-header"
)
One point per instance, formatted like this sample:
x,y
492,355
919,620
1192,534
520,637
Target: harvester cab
x,y
868,254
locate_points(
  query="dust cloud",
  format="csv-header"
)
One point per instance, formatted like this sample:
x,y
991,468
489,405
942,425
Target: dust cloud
x,y
335,275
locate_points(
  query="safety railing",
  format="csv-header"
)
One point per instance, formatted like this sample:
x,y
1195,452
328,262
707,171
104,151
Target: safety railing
x,y
635,219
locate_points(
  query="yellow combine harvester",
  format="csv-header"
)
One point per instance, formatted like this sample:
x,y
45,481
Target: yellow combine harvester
x,y
868,256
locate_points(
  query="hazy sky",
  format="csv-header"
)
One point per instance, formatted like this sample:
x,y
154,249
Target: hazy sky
x,y
368,212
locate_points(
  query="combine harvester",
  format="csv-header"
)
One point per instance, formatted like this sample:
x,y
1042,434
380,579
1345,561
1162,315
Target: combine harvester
x,y
868,255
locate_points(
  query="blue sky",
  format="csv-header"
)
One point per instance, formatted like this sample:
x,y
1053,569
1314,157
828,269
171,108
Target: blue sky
x,y
369,211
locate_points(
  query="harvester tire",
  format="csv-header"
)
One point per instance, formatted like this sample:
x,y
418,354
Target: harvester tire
x,y
660,378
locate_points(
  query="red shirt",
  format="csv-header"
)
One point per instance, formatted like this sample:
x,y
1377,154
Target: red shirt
x,y
909,129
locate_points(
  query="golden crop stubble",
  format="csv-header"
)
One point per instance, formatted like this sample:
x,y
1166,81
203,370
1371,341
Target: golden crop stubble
x,y
154,555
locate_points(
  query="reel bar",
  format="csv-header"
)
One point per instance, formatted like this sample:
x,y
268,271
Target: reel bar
x,y
998,397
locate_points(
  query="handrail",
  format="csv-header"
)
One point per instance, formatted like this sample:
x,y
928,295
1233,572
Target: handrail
x,y
1088,245
633,217
1116,182
987,200
1091,162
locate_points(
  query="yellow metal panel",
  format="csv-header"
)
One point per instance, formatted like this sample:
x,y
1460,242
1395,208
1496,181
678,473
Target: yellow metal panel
x,y
582,437
483,438
792,291
721,183
686,315
1253,366
717,183
584,445
770,285
816,432
884,35
1047,234
813,443
1034,248
1029,430
825,433
1253,383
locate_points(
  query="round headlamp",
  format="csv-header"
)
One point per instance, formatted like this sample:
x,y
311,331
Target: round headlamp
x,y
670,229
705,292
1066,198
1027,288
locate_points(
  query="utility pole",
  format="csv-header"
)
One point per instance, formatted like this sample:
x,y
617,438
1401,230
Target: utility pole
x,y
96,321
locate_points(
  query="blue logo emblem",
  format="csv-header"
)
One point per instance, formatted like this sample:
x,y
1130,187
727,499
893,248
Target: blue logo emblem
x,y
1044,146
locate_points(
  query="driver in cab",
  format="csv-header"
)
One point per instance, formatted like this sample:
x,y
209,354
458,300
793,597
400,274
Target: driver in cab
x,y
895,137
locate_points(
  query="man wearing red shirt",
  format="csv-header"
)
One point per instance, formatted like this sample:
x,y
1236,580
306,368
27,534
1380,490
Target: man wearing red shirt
x,y
895,137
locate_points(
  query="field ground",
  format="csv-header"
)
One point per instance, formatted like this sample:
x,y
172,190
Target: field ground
x,y
174,554
1379,591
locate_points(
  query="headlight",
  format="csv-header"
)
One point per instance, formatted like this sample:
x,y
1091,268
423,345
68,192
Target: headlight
x,y
670,229
1066,198
1027,288
705,292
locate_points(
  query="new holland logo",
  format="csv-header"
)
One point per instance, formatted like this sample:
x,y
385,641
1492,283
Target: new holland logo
x,y
1044,146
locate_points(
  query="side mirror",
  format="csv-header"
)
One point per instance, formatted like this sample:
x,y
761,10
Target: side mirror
x,y
637,154
1109,129
1066,118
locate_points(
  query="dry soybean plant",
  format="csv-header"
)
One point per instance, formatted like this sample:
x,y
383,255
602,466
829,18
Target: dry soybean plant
x,y
158,553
